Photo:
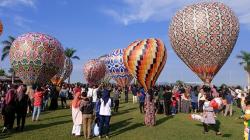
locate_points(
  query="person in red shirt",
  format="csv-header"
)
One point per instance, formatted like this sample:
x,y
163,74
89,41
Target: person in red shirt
x,y
174,105
38,100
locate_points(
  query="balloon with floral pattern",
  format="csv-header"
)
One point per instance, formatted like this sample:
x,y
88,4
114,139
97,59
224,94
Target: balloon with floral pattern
x,y
36,57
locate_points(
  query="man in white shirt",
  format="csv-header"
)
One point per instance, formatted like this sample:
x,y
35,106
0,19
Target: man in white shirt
x,y
92,92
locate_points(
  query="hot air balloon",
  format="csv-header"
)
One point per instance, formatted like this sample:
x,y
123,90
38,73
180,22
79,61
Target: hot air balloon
x,y
107,76
64,73
1,27
94,70
117,69
36,57
145,60
203,35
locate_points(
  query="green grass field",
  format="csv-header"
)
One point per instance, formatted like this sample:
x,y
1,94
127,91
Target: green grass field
x,y
128,125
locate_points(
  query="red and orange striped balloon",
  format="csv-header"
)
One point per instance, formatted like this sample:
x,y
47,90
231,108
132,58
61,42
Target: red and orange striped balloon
x,y
1,27
145,60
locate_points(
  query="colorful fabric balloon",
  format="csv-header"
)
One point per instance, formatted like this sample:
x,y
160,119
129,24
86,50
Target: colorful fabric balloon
x,y
107,76
117,69
36,57
1,27
94,70
145,60
64,73
203,35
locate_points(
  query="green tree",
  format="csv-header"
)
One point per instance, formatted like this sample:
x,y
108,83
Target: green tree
x,y
245,62
6,47
2,72
5,52
70,53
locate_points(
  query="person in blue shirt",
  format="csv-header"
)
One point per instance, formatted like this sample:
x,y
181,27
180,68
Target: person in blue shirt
x,y
229,104
141,100
194,98
134,92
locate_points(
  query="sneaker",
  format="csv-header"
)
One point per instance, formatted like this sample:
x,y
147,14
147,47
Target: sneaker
x,y
4,130
204,132
218,133
107,137
99,137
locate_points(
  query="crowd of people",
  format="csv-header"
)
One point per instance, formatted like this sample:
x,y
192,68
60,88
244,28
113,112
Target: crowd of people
x,y
92,106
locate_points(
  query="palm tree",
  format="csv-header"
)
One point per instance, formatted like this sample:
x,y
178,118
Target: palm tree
x,y
245,62
6,47
5,52
2,72
69,52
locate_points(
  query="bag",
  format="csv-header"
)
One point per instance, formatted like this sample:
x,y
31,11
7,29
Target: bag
x,y
96,130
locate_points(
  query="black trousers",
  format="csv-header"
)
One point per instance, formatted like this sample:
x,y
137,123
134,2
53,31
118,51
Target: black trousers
x,y
141,106
116,105
168,108
126,98
9,118
63,102
214,126
21,116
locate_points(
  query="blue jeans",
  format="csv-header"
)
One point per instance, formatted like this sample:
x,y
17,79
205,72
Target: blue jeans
x,y
173,110
36,111
104,125
45,102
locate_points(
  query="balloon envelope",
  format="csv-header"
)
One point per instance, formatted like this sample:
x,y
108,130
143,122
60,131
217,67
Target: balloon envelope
x,y
145,60
107,76
203,35
64,73
36,57
117,69
94,70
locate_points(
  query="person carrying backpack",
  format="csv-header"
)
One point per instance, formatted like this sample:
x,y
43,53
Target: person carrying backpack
x,y
87,107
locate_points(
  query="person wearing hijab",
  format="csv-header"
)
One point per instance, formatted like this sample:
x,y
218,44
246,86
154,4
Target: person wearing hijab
x,y
105,113
76,113
21,106
8,111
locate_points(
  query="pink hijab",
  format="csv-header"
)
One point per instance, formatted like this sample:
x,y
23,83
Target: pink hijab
x,y
10,96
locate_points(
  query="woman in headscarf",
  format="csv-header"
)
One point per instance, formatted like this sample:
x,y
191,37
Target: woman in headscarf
x,y
105,113
21,106
76,113
8,111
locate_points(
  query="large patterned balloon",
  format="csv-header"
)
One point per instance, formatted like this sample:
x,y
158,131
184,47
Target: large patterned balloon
x,y
117,69
203,35
145,60
94,70
64,73
1,27
36,57
107,76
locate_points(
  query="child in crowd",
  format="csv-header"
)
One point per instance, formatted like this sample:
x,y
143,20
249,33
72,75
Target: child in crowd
x,y
173,106
209,116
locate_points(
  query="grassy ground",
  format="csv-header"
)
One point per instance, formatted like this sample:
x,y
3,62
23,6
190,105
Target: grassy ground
x,y
128,125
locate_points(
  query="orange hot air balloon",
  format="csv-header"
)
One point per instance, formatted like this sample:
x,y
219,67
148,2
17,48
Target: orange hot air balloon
x,y
145,60
1,27
203,35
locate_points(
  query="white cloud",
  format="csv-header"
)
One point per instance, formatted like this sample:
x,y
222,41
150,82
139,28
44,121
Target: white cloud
x,y
22,22
11,3
134,11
